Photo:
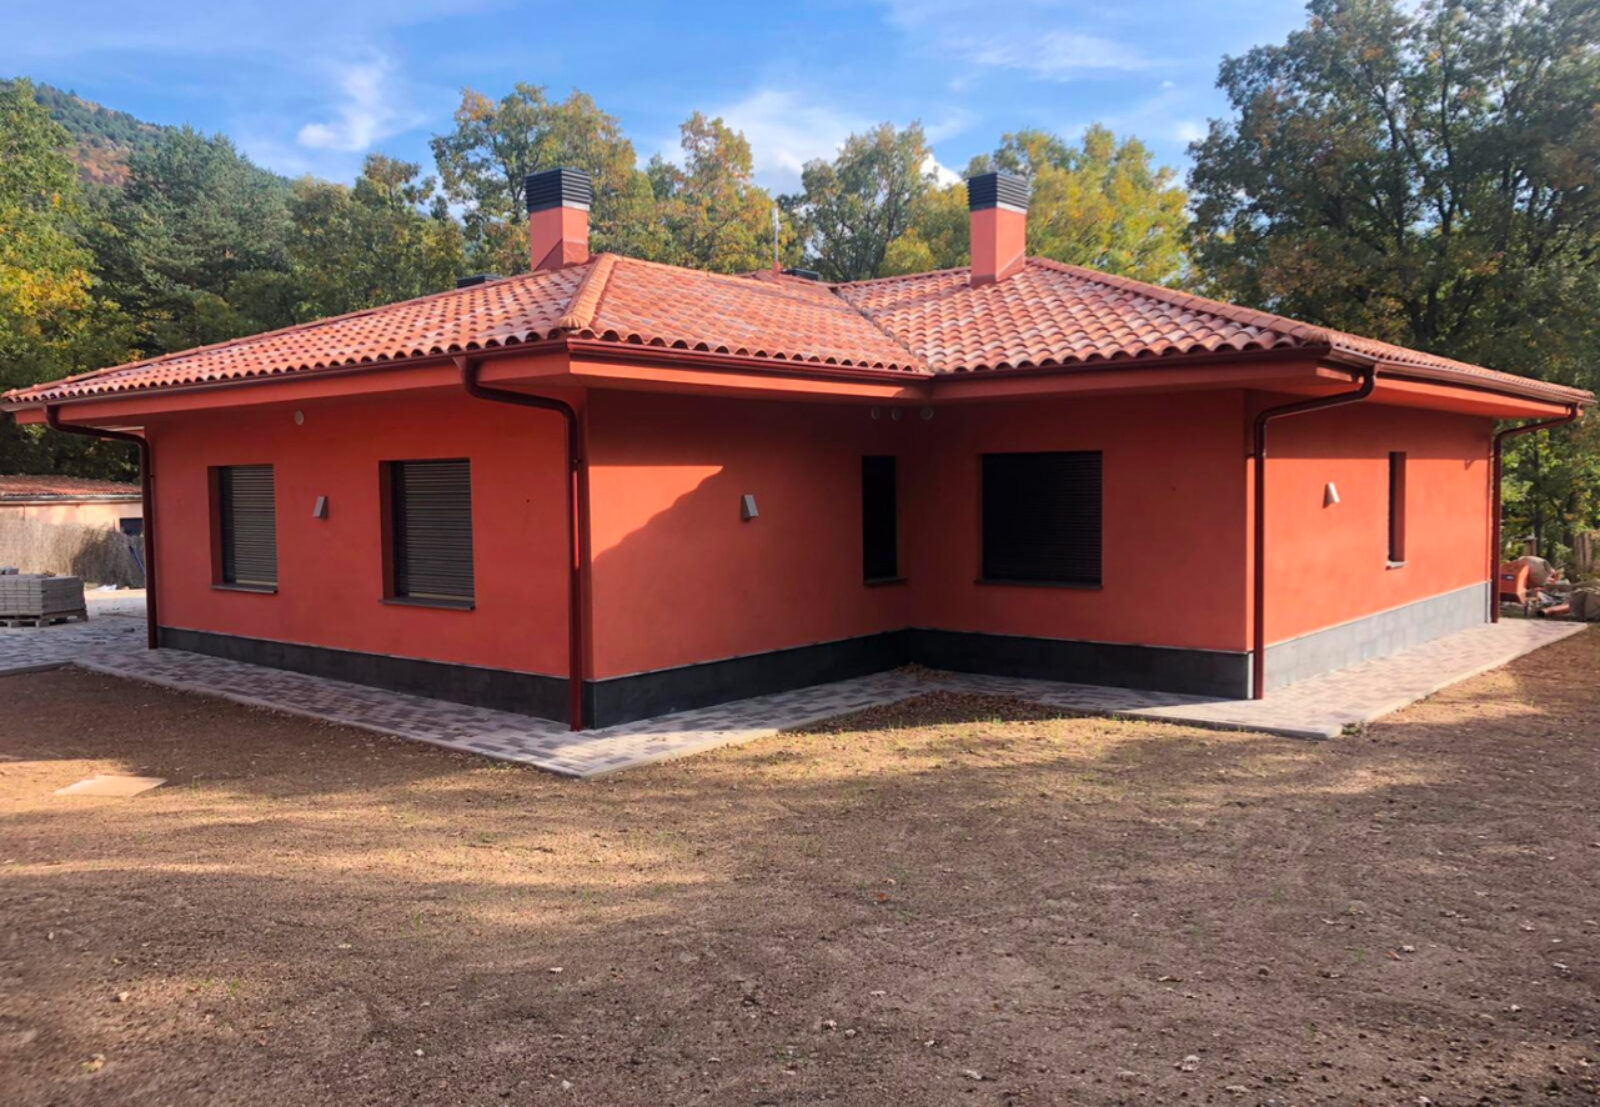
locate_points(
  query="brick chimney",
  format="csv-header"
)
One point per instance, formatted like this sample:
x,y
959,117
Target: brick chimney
x,y
558,217
999,206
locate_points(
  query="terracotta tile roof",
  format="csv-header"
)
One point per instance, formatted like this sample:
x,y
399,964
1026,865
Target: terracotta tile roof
x,y
1053,314
495,313
30,487
1047,315
756,315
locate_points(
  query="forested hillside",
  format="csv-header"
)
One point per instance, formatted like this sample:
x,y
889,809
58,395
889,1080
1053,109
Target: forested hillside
x,y
102,138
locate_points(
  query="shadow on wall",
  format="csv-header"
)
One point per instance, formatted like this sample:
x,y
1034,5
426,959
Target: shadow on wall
x,y
98,554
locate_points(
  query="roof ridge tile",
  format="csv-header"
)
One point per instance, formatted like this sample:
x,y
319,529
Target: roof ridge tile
x,y
585,302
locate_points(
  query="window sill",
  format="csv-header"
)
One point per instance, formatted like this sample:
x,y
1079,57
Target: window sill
x,y
258,589
1394,564
440,604
879,582
1074,585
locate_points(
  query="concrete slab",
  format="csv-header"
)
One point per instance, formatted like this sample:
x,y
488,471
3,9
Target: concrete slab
x,y
111,784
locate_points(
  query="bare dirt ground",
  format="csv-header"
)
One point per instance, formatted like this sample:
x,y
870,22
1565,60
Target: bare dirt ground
x,y
955,901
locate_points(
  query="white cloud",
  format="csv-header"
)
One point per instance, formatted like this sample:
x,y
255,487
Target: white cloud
x,y
372,109
785,131
943,175
1048,39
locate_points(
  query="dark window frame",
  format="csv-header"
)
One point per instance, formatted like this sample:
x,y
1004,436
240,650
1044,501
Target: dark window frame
x,y
259,573
1397,509
425,582
1023,522
880,519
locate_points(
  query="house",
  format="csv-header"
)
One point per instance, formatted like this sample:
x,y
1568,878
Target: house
x,y
58,500
609,489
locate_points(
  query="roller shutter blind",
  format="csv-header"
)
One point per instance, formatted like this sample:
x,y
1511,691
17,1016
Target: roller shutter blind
x,y
431,517
1042,517
248,524
879,538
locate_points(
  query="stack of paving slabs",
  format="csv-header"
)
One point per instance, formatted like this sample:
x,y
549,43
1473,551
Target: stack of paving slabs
x,y
29,600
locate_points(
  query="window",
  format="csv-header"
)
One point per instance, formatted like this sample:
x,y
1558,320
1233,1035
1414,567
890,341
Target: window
x,y
879,526
246,526
1397,508
1041,518
430,531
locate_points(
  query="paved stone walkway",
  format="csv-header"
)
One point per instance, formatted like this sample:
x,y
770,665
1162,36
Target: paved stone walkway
x,y
1317,708
111,625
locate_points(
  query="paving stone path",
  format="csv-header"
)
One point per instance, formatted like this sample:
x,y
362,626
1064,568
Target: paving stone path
x,y
1320,707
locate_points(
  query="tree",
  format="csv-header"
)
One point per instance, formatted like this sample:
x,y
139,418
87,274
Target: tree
x,y
940,234
387,238
850,210
713,215
52,322
195,244
1551,489
1100,204
1429,176
496,144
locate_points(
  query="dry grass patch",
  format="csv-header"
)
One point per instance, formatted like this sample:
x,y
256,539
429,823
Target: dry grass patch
x,y
954,900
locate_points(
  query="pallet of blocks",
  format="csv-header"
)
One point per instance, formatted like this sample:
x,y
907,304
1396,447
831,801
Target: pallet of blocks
x,y
28,600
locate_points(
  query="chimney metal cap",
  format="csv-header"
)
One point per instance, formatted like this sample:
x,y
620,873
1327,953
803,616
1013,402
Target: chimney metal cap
x,y
997,190
558,188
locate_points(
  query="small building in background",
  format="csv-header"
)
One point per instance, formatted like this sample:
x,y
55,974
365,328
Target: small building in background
x,y
69,526
56,500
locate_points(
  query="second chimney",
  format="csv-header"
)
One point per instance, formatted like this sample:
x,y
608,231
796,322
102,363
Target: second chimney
x,y
558,217
999,206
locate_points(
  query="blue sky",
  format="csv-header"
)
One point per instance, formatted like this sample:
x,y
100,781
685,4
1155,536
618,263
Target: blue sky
x,y
310,86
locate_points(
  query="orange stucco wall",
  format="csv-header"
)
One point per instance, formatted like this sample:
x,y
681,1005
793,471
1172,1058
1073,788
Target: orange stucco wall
x,y
1173,526
1326,564
679,578
330,580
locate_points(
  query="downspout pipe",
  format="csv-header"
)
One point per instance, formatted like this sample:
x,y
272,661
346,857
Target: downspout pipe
x,y
152,613
1258,651
1496,472
577,511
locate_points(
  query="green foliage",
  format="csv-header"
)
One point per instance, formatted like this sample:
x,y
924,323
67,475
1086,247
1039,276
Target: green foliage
x,y
1100,204
713,216
496,144
851,210
387,238
195,245
1551,489
103,138
52,323
1426,175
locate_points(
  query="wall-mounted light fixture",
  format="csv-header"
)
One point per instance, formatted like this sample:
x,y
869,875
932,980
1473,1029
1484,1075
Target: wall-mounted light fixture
x,y
299,418
747,507
1330,495
319,510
